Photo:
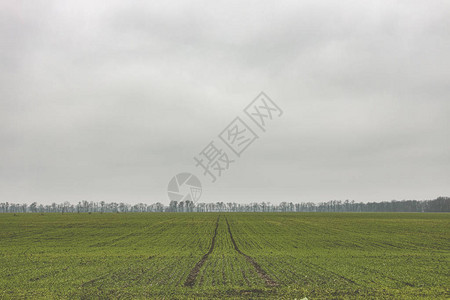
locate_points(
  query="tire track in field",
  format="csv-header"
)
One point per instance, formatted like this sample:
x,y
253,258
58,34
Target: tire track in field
x,y
267,279
190,281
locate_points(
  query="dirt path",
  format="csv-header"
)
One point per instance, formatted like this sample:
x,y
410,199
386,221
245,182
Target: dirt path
x,y
269,281
194,272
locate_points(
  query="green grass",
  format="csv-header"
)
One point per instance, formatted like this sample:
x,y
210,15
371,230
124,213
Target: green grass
x,y
281,255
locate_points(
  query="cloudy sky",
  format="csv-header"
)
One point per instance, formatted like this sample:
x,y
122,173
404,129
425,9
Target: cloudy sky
x,y
109,100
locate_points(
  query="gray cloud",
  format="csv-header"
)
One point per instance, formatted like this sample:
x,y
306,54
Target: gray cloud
x,y
108,102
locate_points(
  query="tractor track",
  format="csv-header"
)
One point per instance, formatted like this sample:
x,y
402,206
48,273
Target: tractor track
x,y
190,281
267,279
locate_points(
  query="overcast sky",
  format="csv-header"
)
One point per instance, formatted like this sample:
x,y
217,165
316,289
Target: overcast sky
x,y
109,100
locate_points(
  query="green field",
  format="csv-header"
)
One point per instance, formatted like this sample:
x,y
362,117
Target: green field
x,y
212,255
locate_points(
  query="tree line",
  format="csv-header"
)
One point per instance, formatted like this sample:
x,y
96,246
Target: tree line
x,y
441,204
